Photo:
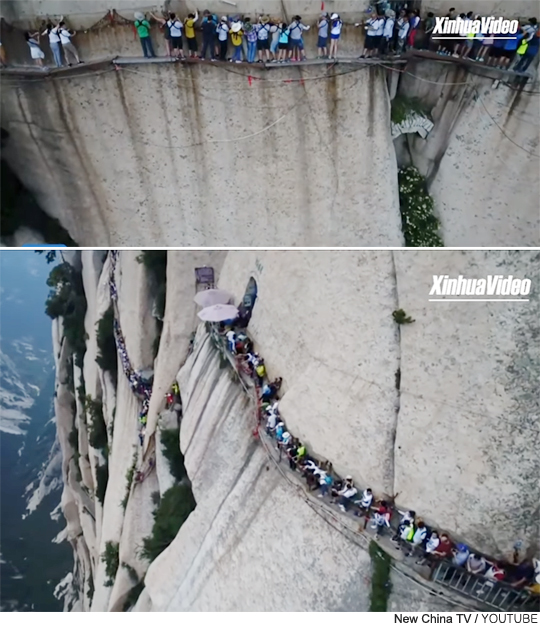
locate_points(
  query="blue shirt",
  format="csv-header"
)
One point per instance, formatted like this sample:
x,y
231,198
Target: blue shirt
x,y
512,44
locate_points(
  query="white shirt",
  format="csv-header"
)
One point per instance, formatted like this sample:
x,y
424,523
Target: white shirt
x,y
54,38
222,30
432,544
296,28
263,31
420,535
404,29
389,27
272,421
65,37
367,498
348,492
175,28
336,27
231,336
375,27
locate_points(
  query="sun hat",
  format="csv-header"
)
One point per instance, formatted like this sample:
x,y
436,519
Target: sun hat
x,y
265,19
237,26
334,16
224,18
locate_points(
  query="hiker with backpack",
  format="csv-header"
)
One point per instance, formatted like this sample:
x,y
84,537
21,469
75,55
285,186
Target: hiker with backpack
x,y
296,43
263,38
283,41
251,37
143,31
222,31
189,30
336,24
163,23
208,28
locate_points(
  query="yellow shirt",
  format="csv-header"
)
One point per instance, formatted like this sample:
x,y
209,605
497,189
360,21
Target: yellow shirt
x,y
236,38
190,30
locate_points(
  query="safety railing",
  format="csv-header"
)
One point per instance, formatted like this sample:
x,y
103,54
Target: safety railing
x,y
497,594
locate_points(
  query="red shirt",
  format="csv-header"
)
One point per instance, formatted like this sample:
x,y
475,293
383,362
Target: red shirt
x,y
444,548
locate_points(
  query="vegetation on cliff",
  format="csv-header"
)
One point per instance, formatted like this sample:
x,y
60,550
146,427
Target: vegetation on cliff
x,y
155,262
107,358
419,224
380,578
173,510
67,300
170,439
111,558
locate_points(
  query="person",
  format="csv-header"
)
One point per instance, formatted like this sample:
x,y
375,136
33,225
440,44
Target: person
x,y
263,42
336,24
405,532
175,26
54,42
32,39
144,420
533,44
430,546
365,502
175,389
487,43
65,40
170,399
495,573
141,436
444,549
236,40
402,34
270,390
143,31
347,494
414,21
283,44
322,40
511,45
260,371
286,440
164,24
374,31
382,518
251,37
476,564
420,535
429,25
208,27
271,423
189,30
296,44
223,37
460,555
325,483
231,341
522,575
388,32
496,52
292,455
274,43
280,430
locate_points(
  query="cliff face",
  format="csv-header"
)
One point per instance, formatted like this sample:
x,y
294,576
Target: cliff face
x,y
438,413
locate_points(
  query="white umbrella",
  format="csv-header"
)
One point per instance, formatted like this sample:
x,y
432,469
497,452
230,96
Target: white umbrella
x,y
218,313
210,297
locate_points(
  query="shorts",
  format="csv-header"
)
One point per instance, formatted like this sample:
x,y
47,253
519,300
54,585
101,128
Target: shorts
x,y
372,41
283,46
192,44
296,43
333,36
176,42
495,52
322,42
509,54
469,42
263,44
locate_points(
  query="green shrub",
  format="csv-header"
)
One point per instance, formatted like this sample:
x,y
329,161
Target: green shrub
x,y
400,317
175,506
403,106
67,300
135,591
380,578
107,358
129,480
97,429
81,392
90,592
102,479
170,439
111,559
419,224
73,438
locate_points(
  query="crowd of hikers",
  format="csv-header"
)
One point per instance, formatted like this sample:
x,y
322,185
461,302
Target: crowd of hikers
x,y
388,32
140,383
408,531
